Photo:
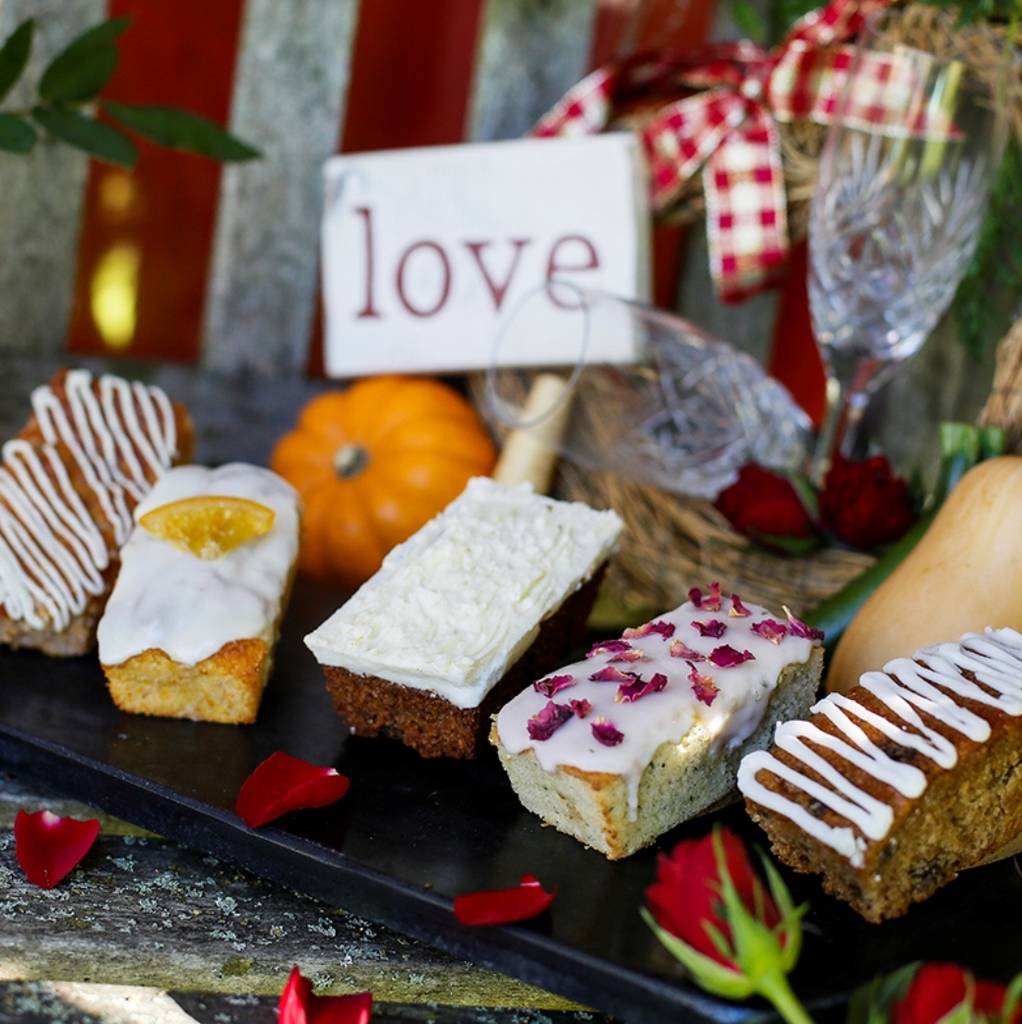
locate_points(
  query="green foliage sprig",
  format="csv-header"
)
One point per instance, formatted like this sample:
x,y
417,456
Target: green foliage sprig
x,y
68,100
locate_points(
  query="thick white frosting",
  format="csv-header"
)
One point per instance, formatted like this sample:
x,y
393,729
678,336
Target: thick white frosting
x,y
455,605
931,682
658,717
118,438
167,598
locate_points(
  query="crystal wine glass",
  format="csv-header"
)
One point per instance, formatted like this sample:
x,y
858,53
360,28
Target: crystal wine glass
x,y
903,181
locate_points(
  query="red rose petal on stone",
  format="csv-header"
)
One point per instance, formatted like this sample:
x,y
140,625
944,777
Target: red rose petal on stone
x,y
665,629
703,687
770,629
714,628
608,646
631,692
503,906
726,656
548,720
49,847
710,602
800,628
737,609
553,684
298,1004
609,674
680,649
283,783
607,733
580,707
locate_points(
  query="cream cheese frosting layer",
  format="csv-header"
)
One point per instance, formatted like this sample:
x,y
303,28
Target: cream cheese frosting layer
x,y
454,606
676,651
168,599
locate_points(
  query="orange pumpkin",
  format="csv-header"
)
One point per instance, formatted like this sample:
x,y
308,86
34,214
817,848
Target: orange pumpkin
x,y
375,462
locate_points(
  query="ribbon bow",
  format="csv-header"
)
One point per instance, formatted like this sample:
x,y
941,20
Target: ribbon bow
x,y
729,129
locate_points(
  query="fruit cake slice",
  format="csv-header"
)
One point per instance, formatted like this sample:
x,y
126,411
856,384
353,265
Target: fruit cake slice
x,y
190,627
648,730
914,775
68,483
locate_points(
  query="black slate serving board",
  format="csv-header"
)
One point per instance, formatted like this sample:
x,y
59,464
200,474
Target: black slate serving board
x,y
412,834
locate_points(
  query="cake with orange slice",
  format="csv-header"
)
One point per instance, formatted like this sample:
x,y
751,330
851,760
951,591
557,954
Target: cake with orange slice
x,y
191,625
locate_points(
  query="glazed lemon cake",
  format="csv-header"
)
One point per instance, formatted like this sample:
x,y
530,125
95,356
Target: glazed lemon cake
x,y
190,627
648,730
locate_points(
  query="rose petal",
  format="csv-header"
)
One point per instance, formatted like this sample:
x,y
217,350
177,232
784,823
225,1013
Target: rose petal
x,y
704,687
800,628
737,609
609,674
631,692
283,783
503,906
581,707
665,629
726,656
708,603
630,655
298,1004
680,649
607,733
49,847
546,722
714,628
553,684
770,629
608,646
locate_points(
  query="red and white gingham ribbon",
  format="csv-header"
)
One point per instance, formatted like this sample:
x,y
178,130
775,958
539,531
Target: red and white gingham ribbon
x,y
729,128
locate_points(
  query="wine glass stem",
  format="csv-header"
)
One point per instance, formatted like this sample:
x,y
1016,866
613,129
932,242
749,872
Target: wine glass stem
x,y
846,404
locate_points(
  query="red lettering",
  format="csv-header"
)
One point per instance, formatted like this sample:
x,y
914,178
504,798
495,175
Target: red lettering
x,y
369,310
555,268
497,289
444,291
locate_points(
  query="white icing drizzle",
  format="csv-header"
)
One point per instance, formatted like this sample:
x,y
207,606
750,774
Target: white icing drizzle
x,y
933,682
673,714
52,551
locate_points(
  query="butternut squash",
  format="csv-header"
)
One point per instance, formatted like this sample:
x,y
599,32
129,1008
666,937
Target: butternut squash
x,y
964,574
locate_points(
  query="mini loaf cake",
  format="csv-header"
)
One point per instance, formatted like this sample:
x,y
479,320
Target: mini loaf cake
x,y
68,483
648,730
487,594
891,790
185,636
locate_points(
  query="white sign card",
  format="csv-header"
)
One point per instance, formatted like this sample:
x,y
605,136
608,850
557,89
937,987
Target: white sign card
x,y
425,251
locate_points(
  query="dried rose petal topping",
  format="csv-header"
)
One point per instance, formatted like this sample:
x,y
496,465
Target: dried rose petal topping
x,y
283,783
609,674
709,603
632,654
553,684
737,609
680,649
607,733
633,691
49,847
581,707
547,721
703,687
299,1005
714,628
665,629
770,629
800,628
608,647
726,656
503,906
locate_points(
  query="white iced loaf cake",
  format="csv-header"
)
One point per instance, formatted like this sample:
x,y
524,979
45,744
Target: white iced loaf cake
x,y
648,730
497,584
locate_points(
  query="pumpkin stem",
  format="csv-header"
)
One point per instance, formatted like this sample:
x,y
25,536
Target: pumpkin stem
x,y
349,460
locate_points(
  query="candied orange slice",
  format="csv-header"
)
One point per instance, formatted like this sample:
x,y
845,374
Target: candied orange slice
x,y
210,525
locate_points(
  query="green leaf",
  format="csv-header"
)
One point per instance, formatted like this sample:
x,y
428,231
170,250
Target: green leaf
x,y
94,137
16,134
14,55
786,545
84,66
749,21
871,1002
181,129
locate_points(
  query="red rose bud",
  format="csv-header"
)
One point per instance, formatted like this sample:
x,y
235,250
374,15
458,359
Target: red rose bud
x,y
714,628
864,504
49,847
607,733
939,989
504,906
553,684
712,912
709,602
298,1004
726,656
545,722
282,784
703,687
761,503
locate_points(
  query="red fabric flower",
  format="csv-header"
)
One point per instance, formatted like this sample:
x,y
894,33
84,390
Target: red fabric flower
x,y
283,783
864,503
49,847
763,503
937,989
298,1005
504,906
686,895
